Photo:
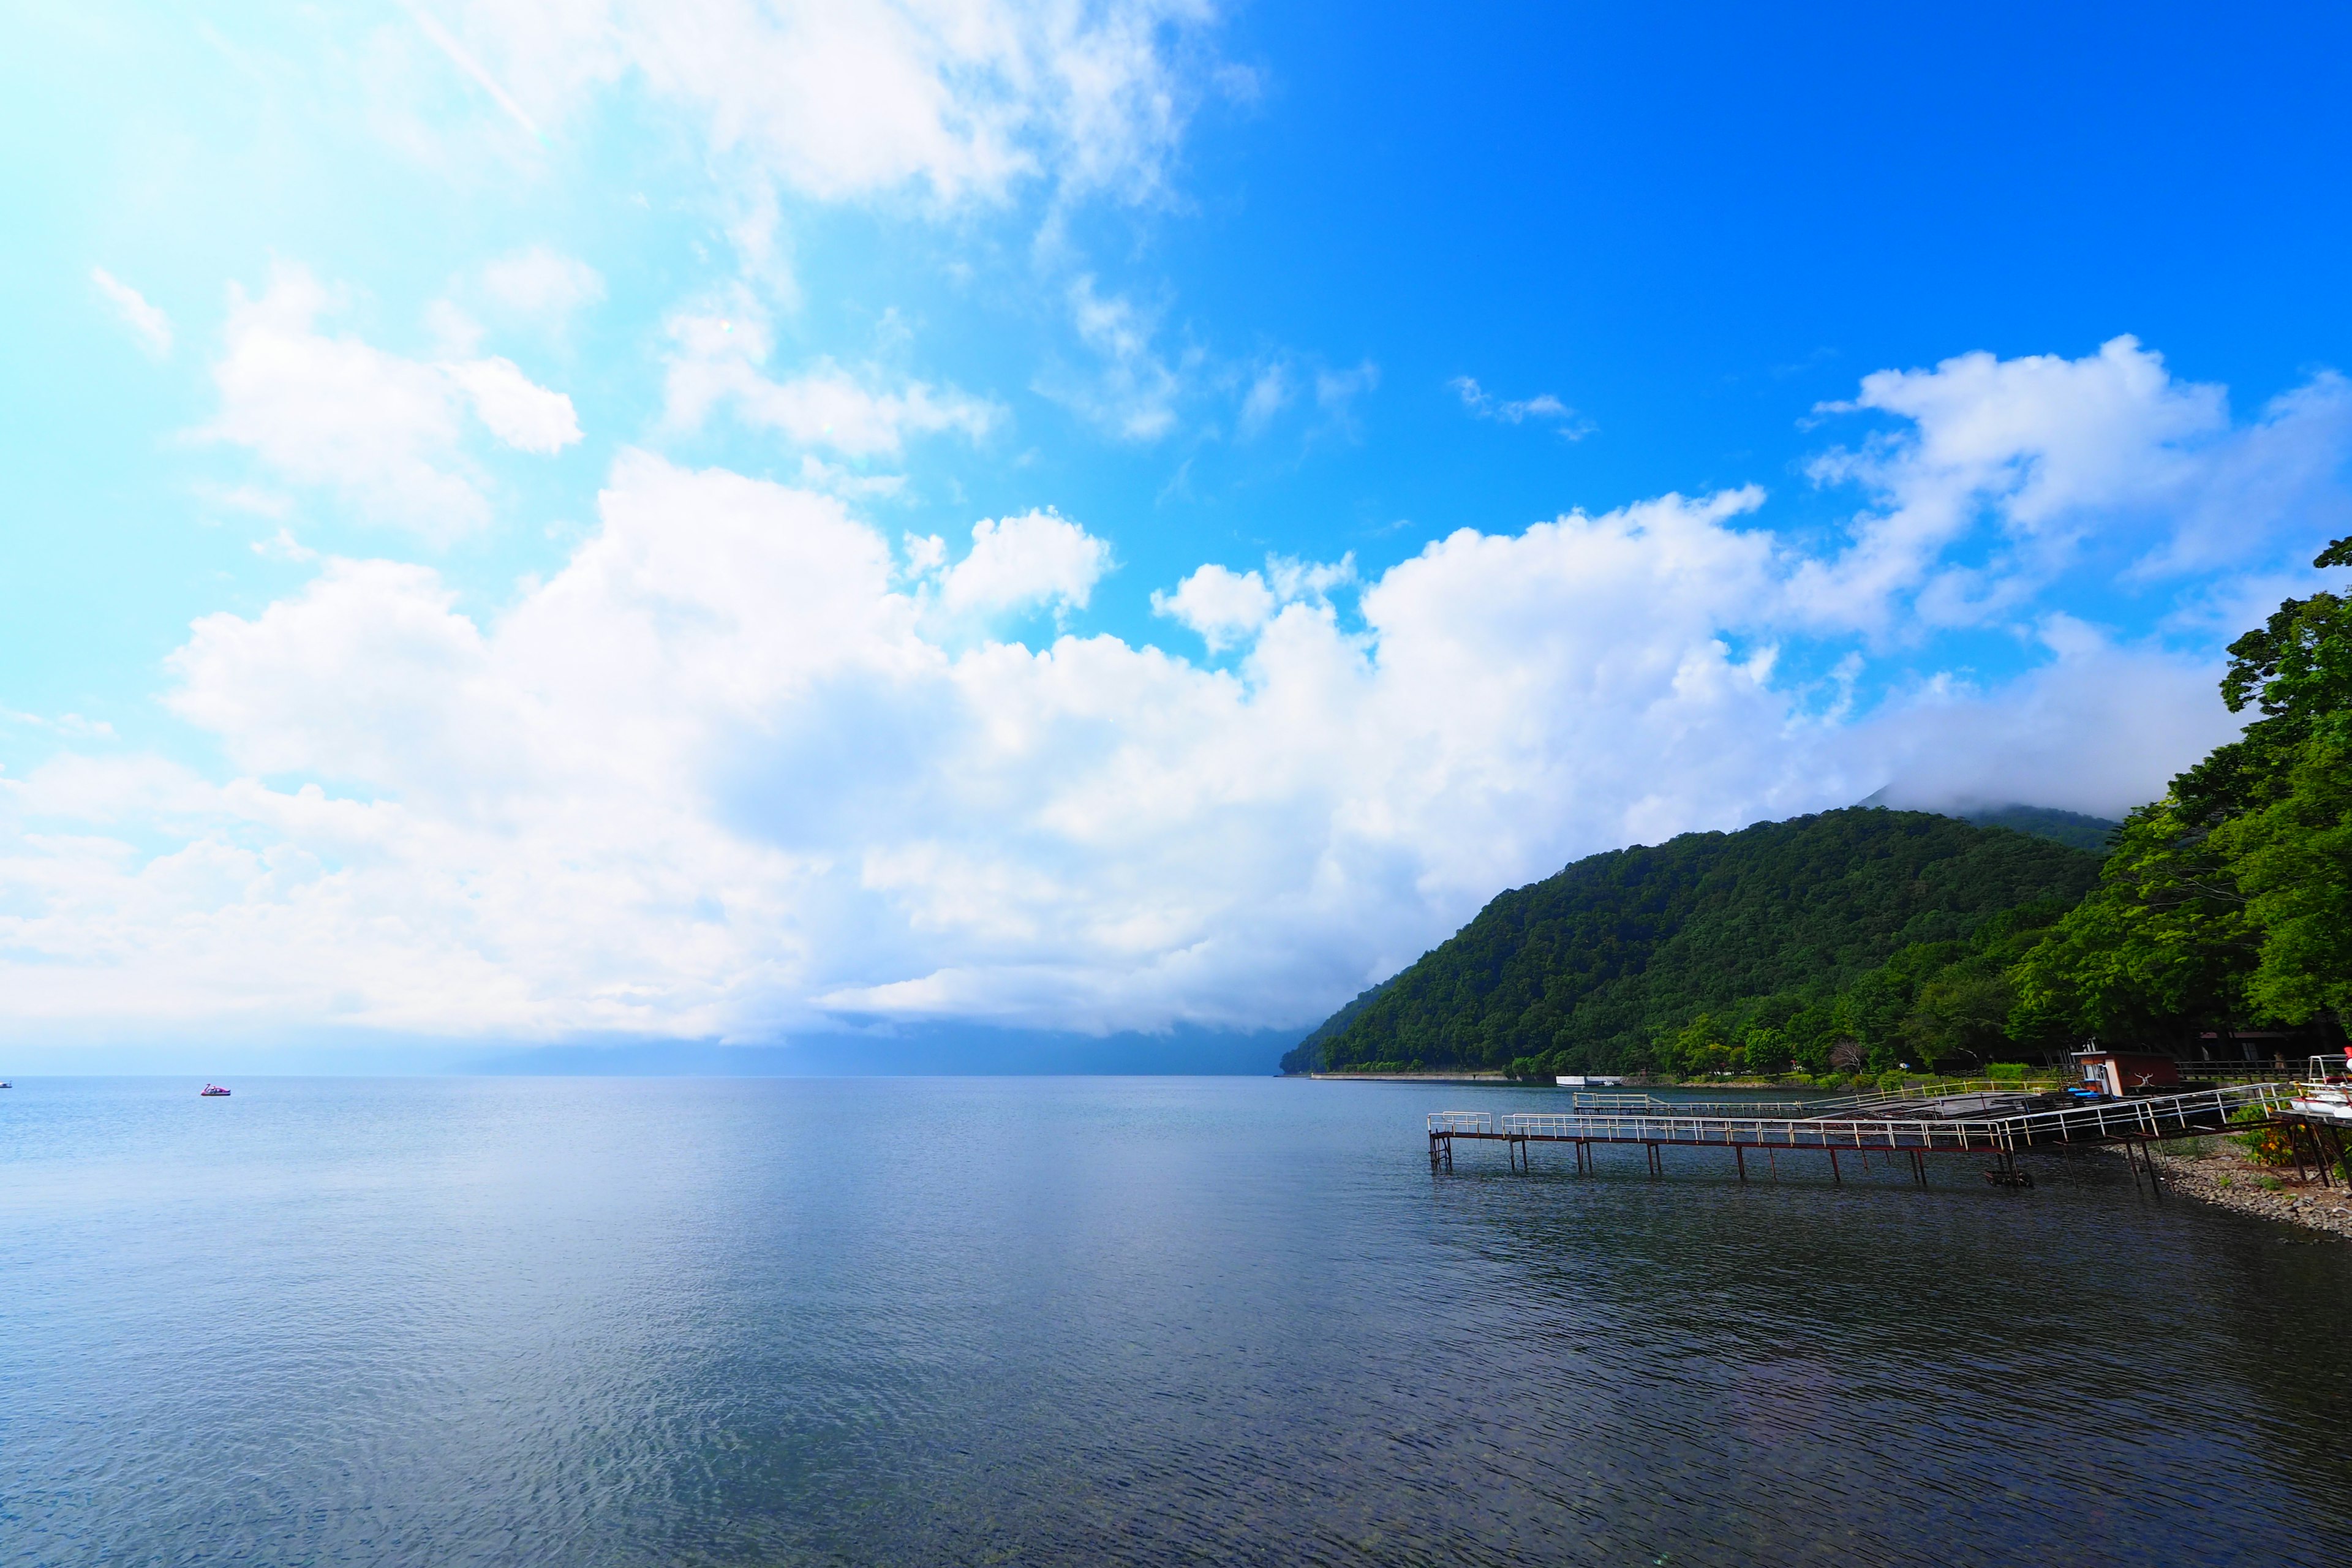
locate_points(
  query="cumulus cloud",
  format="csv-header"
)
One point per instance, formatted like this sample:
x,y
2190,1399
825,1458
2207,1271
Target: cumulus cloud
x,y
852,97
1227,607
715,362
741,767
147,324
1222,606
516,409
2028,461
718,776
384,431
1023,563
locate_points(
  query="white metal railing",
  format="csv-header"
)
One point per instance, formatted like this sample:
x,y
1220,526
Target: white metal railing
x,y
2149,1117
1826,1104
1461,1121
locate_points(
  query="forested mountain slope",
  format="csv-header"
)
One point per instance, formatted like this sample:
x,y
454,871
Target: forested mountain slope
x,y
2068,827
1787,941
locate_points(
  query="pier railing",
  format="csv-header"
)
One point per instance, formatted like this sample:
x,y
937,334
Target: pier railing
x,y
1942,1089
2155,1117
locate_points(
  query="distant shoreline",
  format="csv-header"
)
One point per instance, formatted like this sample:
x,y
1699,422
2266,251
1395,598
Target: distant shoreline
x,y
1408,1077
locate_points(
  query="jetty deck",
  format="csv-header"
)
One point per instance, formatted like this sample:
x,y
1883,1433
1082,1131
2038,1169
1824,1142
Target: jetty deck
x,y
1972,1123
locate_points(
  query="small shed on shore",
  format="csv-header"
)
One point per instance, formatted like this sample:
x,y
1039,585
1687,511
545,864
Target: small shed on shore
x,y
2121,1070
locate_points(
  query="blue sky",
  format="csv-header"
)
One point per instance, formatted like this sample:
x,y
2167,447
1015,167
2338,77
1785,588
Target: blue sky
x,y
748,523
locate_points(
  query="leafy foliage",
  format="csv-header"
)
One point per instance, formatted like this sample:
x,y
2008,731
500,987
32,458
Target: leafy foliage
x,y
2069,827
1726,951
2232,897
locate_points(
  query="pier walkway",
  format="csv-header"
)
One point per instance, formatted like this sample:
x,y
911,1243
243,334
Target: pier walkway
x,y
1956,1124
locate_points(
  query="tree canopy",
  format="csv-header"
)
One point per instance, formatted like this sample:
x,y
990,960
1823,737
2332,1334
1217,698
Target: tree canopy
x,y
2231,899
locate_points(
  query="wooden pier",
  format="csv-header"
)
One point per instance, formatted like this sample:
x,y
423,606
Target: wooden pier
x,y
1910,1130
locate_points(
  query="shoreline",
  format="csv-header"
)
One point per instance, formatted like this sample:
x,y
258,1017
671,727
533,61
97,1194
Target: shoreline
x,y
2229,1181
1410,1078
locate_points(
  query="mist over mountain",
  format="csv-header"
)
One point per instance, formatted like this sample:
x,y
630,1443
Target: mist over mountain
x,y
2074,829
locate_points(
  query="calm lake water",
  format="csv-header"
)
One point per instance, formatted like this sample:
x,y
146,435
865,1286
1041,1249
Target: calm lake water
x,y
707,1321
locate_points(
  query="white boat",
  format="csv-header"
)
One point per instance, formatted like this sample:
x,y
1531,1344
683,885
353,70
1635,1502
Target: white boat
x,y
2327,1091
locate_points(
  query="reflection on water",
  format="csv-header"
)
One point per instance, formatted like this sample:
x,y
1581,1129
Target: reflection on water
x,y
1075,1320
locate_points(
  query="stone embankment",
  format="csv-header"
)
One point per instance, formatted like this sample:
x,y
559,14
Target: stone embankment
x,y
2234,1182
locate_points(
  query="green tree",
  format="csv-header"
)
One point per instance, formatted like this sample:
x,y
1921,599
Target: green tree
x,y
2290,847
2229,897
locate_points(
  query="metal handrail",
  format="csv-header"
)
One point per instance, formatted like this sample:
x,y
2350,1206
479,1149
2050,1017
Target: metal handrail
x,y
1937,1089
1461,1121
2146,1117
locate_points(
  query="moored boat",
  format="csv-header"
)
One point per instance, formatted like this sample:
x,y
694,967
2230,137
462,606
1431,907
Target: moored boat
x,y
2326,1093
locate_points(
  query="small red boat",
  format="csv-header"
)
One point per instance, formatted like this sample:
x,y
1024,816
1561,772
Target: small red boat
x,y
209,1090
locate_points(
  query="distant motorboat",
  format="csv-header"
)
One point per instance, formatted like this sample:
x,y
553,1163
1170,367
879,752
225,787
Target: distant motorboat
x,y
209,1090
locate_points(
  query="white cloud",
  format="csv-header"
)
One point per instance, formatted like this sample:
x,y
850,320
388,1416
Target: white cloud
x,y
149,324
72,725
1132,394
540,283
2093,730
517,410
1313,580
742,766
715,777
2033,458
834,479
1544,406
1269,393
715,361
382,431
1225,607
844,98
1022,562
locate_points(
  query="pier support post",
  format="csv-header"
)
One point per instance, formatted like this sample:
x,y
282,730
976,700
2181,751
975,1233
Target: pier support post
x,y
1836,1179
1741,1156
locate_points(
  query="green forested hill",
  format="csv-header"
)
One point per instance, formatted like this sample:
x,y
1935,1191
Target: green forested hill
x,y
2070,828
1855,933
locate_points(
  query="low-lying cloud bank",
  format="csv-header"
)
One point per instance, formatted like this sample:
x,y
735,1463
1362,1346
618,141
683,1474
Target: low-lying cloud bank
x,y
746,767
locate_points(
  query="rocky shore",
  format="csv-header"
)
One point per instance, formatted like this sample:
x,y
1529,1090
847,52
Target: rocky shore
x,y
2223,1175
